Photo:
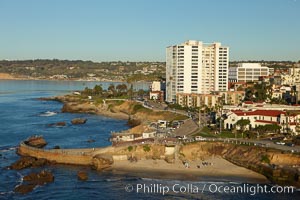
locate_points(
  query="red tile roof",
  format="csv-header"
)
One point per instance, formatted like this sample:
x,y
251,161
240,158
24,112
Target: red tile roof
x,y
248,102
271,113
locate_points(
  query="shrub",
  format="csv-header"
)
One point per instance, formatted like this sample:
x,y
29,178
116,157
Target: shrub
x,y
265,159
130,148
146,148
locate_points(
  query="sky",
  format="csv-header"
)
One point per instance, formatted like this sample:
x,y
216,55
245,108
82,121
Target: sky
x,y
140,30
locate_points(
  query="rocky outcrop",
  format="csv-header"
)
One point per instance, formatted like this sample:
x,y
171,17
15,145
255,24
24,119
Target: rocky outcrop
x,y
27,161
78,121
34,179
24,189
36,141
74,107
82,176
102,161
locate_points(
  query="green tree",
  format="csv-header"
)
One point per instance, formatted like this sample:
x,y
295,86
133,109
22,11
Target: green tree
x,y
121,88
111,89
260,130
98,90
272,128
243,123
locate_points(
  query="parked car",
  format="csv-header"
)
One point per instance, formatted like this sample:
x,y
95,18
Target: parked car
x,y
200,138
290,144
280,143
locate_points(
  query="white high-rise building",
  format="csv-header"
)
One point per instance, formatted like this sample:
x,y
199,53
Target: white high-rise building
x,y
196,67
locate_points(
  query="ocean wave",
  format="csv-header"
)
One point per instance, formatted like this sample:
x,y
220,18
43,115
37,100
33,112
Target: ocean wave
x,y
21,178
48,114
5,193
6,149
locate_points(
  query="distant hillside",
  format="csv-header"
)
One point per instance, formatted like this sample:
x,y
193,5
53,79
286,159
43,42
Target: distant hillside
x,y
65,69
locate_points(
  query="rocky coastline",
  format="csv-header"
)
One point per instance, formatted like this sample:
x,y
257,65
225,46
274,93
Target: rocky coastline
x,y
260,161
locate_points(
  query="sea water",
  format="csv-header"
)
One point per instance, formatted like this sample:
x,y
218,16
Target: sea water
x,y
23,115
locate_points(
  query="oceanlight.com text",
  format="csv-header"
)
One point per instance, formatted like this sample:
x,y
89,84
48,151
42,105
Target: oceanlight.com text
x,y
251,189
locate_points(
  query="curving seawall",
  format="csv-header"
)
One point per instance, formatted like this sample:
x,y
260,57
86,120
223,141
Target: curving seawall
x,y
63,156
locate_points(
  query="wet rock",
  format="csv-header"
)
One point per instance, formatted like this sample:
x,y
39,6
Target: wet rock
x,y
78,121
23,162
27,161
39,178
58,124
83,176
91,141
101,161
36,141
24,189
56,147
40,162
33,179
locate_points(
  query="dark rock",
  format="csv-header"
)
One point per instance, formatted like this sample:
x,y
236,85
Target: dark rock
x,y
22,163
40,162
39,178
78,121
91,141
36,141
58,124
24,189
33,179
27,161
56,147
83,176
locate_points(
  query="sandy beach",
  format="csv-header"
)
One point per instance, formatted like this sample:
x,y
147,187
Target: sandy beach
x,y
218,169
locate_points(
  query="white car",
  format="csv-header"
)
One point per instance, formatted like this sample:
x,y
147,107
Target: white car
x,y
200,138
280,143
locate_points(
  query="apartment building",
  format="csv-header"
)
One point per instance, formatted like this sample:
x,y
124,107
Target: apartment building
x,y
196,67
197,100
247,72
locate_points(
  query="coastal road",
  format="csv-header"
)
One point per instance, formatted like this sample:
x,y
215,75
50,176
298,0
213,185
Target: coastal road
x,y
262,143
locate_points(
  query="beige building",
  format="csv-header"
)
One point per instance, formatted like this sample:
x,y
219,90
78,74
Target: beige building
x,y
233,97
196,67
197,100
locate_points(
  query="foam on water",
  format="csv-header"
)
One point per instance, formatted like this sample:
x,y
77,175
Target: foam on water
x,y
48,114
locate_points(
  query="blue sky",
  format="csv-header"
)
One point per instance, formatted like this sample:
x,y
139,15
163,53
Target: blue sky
x,y
140,30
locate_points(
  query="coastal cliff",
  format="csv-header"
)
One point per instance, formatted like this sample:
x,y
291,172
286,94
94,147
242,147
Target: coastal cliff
x,y
279,167
267,162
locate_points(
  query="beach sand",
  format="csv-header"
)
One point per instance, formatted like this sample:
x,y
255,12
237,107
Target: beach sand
x,y
219,170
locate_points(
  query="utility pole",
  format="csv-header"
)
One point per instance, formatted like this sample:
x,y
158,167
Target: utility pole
x,y
221,107
199,117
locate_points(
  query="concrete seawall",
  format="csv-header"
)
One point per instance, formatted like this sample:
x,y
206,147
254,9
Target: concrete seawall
x,y
63,156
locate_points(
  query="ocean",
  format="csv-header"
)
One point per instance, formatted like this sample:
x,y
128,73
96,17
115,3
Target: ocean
x,y
23,115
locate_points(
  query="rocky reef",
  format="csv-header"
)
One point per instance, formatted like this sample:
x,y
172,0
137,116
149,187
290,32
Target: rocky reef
x,y
34,179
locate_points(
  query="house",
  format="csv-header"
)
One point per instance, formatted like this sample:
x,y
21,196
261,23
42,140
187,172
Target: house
x,y
149,134
287,120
